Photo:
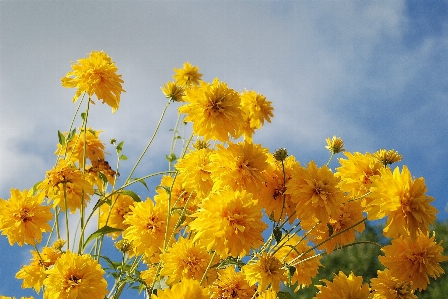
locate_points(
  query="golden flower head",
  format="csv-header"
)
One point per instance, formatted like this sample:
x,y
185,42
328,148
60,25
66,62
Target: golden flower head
x,y
387,157
266,271
75,276
23,217
335,145
123,245
96,74
187,288
231,284
58,244
187,75
414,261
385,286
343,287
201,144
173,91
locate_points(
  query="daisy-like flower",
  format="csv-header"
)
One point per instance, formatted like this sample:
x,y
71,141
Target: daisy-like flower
x,y
187,288
23,217
231,284
33,275
414,261
66,184
96,74
349,214
316,192
187,75
98,168
240,166
178,195
112,214
185,259
403,200
75,276
387,157
343,287
307,266
388,287
273,197
74,149
257,110
214,109
195,168
356,173
147,226
265,271
173,91
335,145
229,222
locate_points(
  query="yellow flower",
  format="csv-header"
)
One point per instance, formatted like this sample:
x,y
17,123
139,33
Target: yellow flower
x,y
356,174
387,157
266,271
112,214
185,259
214,109
147,226
186,289
273,197
403,200
74,149
240,166
307,266
33,275
66,183
343,287
413,261
173,91
188,75
349,214
315,191
228,222
231,284
96,74
268,294
75,276
256,109
23,217
195,168
388,287
335,145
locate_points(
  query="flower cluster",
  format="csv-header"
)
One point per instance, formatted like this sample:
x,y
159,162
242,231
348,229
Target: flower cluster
x,y
229,220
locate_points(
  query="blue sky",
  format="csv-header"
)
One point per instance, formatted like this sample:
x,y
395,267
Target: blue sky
x,y
371,72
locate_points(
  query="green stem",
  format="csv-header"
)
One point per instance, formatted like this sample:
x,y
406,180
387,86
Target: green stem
x,y
66,215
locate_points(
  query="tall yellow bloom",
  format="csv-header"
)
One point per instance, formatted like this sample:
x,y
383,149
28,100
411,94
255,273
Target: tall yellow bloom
x,y
414,261
187,288
265,271
187,75
315,190
75,276
33,275
96,74
66,184
229,222
257,110
23,217
403,200
147,226
343,287
185,259
214,109
231,284
240,165
385,286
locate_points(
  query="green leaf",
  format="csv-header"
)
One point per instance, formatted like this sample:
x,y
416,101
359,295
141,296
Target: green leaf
x,y
132,194
171,157
71,135
229,261
277,234
140,181
102,231
102,177
123,157
120,147
61,138
284,295
330,229
36,186
109,261
83,116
